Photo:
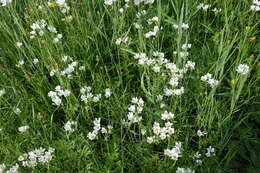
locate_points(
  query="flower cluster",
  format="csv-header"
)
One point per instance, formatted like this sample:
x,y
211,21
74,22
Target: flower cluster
x,y
161,133
210,80
57,94
153,20
184,170
67,71
40,27
141,14
137,2
181,25
243,69
23,129
37,156
175,74
203,6
175,152
217,10
69,126
13,169
135,110
2,167
63,6
255,6
121,40
5,2
97,127
167,115
109,2
87,95
152,33
197,157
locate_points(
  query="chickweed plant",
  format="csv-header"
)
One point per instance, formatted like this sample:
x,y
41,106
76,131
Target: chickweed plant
x,y
138,86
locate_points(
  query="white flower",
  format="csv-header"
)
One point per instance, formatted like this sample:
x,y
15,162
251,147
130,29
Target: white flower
x,y
243,69
2,167
121,10
150,140
109,2
52,29
152,33
178,91
208,78
5,2
215,10
203,6
167,115
2,92
255,6
190,65
56,40
23,129
168,92
107,92
19,44
197,155
40,155
59,92
21,62
17,111
173,153
210,151
13,169
186,46
184,170
69,126
200,133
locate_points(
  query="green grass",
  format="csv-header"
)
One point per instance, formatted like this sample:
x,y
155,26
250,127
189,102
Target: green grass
x,y
229,112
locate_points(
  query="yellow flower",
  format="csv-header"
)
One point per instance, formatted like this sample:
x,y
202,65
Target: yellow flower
x,y
52,4
248,28
233,82
253,38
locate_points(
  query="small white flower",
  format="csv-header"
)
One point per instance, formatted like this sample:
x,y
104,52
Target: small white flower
x,y
2,92
107,92
184,170
200,133
109,2
2,167
35,60
150,140
210,151
20,63
56,40
19,44
52,29
121,10
167,115
5,2
41,33
69,126
23,129
17,111
243,69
